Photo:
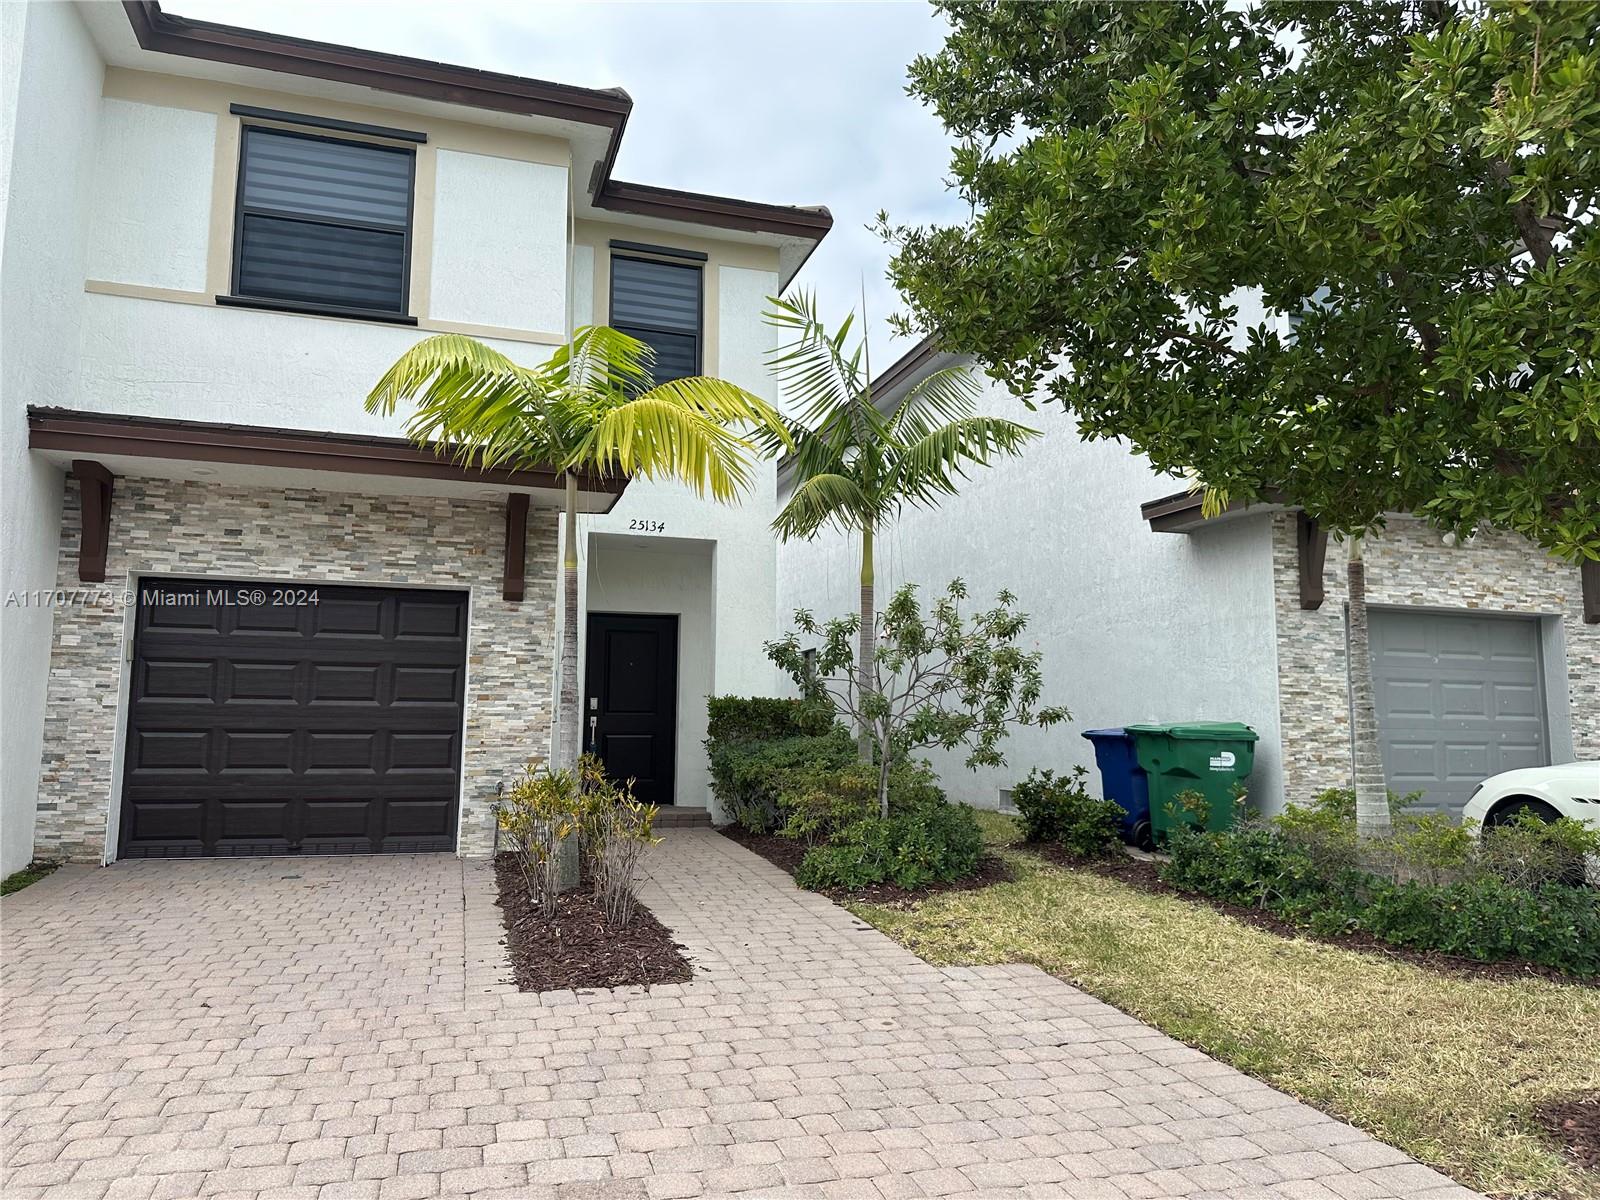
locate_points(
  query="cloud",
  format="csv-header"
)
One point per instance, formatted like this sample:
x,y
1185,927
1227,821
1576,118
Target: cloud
x,y
795,103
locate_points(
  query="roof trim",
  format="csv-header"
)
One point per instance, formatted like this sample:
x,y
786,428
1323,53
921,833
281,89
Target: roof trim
x,y
751,216
1182,512
166,33
608,108
91,434
907,365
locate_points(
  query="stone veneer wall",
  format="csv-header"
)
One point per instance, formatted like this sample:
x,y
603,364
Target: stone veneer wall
x,y
1408,564
169,527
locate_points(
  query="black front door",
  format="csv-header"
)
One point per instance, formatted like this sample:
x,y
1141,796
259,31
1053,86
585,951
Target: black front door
x,y
630,708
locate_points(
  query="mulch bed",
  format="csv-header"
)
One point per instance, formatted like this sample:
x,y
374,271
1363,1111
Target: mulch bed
x,y
578,950
1145,874
1575,1123
786,853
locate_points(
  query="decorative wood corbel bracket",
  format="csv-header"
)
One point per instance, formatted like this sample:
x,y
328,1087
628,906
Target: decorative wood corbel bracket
x,y
513,582
94,512
1311,540
1589,573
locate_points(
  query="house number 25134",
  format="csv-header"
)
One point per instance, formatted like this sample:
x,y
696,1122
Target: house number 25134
x,y
642,525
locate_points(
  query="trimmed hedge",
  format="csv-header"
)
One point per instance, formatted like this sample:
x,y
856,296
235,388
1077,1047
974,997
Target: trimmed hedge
x,y
764,718
748,776
1483,916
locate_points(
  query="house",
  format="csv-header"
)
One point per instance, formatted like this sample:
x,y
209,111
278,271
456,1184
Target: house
x,y
243,616
1486,656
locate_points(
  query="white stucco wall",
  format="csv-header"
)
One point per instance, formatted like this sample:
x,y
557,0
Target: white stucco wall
x,y
743,592
48,113
1133,626
151,220
145,357
499,242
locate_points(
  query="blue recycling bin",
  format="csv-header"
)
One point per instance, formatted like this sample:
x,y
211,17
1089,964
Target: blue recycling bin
x,y
1122,779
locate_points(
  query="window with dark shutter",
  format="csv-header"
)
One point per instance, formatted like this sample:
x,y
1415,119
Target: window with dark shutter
x,y
659,303
323,222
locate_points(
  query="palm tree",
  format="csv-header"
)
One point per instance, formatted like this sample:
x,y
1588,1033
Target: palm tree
x,y
857,464
591,408
1373,819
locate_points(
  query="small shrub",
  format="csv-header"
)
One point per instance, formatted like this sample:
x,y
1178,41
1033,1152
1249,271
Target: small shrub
x,y
1253,865
614,831
1059,810
1431,848
1530,852
538,813
928,844
818,803
1188,809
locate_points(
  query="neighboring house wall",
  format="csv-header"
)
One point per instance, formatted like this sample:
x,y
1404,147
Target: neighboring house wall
x,y
1132,626
166,527
1408,565
49,107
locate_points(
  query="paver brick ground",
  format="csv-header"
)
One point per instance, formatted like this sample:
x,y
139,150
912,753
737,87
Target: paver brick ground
x,y
344,1027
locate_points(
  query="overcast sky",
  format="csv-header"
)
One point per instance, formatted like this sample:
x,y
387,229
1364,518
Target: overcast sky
x,y
795,103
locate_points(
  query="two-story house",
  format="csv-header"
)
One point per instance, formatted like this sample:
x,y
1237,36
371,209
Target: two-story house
x,y
1485,656
243,616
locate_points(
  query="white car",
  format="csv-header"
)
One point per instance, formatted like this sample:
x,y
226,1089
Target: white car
x,y
1568,790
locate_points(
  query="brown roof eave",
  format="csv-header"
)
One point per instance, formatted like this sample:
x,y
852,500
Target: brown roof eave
x,y
1182,512
96,435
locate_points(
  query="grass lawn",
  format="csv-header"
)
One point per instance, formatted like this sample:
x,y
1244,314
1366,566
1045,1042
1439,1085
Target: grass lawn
x,y
31,873
1446,1068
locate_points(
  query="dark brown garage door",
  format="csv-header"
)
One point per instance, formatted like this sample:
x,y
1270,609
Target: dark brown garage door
x,y
268,719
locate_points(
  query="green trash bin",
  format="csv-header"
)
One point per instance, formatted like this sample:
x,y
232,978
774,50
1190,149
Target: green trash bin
x,y
1208,757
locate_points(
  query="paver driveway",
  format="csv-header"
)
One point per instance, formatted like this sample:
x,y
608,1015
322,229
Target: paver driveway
x,y
325,1028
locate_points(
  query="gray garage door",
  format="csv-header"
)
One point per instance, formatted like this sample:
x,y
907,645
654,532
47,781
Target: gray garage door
x,y
1459,698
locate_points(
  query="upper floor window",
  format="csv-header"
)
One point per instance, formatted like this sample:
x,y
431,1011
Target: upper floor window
x,y
323,223
659,303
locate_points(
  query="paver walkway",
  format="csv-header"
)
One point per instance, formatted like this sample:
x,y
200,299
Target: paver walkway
x,y
327,1028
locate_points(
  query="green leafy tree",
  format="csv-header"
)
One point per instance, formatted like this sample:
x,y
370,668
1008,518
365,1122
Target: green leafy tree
x,y
1412,186
939,678
591,408
858,463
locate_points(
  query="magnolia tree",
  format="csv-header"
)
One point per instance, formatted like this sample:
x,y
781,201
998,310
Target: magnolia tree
x,y
1413,185
939,678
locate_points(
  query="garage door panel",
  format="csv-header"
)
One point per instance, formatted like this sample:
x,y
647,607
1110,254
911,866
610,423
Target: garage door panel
x,y
350,616
255,681
325,730
429,620
1405,694
428,685
1473,707
345,683
1512,700
352,751
178,679
1467,761
256,750
418,751
170,750
1462,699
